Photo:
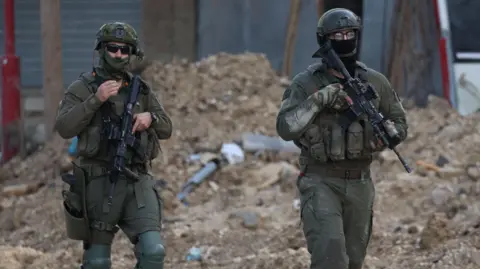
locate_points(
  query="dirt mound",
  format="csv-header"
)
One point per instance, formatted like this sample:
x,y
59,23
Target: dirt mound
x,y
427,219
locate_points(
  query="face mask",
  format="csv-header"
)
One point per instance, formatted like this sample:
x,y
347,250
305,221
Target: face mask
x,y
117,64
344,47
346,50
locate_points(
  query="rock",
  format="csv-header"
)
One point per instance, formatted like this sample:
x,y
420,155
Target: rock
x,y
249,219
473,172
273,173
450,172
412,230
181,232
475,257
436,231
442,193
441,161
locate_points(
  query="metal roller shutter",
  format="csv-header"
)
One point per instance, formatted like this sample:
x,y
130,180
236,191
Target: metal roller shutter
x,y
80,22
28,42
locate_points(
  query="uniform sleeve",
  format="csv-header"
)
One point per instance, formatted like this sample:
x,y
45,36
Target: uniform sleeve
x,y
163,124
297,111
392,109
76,110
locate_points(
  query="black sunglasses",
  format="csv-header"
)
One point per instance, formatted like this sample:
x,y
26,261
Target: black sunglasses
x,y
113,48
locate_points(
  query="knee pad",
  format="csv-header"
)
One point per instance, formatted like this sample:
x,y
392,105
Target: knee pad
x,y
97,257
150,251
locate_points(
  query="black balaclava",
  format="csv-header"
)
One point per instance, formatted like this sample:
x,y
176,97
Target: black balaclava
x,y
115,67
347,51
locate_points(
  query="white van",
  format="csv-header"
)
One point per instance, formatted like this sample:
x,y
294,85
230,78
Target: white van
x,y
460,51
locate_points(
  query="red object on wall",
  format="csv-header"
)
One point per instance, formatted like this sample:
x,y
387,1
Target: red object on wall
x,y
11,124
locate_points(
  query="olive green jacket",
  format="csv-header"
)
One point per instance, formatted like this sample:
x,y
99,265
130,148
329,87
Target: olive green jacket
x,y
80,104
298,109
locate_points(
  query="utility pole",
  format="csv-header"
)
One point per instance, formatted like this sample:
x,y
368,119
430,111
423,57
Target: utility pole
x,y
52,62
320,7
291,37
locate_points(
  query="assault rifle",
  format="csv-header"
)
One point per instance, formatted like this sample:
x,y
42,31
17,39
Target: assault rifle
x,y
125,138
360,103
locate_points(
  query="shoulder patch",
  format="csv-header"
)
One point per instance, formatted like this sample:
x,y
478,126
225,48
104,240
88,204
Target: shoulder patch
x,y
88,80
316,67
286,94
87,77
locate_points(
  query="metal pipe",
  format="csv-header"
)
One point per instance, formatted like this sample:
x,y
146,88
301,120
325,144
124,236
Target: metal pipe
x,y
9,12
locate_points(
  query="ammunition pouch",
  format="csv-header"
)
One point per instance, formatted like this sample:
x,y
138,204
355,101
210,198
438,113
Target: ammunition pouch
x,y
89,141
74,206
357,145
331,142
336,143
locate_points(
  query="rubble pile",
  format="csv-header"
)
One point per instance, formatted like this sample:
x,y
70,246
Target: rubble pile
x,y
216,99
246,215
22,176
439,136
212,102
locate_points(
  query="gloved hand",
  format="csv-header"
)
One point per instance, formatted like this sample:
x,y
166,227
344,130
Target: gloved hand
x,y
392,136
377,145
333,96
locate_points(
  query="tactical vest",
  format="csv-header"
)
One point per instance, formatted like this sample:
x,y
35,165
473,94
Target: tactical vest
x,y
326,140
98,140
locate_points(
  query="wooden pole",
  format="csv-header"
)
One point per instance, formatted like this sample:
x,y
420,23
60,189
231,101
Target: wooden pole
x,y
52,61
291,36
320,7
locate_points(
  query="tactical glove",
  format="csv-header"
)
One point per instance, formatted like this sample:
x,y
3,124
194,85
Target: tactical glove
x,y
392,137
332,96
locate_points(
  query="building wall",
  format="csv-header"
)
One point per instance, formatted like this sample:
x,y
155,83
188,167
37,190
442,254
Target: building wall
x,y
80,21
256,26
170,29
195,29
260,26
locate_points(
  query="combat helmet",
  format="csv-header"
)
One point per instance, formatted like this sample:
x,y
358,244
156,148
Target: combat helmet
x,y
337,19
334,20
118,32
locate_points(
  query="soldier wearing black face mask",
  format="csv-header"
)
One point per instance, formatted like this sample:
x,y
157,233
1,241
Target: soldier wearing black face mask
x,y
342,27
335,185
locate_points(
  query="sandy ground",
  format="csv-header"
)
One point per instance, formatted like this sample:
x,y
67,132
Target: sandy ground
x,y
427,219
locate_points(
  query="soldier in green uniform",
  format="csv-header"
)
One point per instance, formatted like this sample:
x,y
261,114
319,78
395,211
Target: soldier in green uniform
x,y
337,193
92,109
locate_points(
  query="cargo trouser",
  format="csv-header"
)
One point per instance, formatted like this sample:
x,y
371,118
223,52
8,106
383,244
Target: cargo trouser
x,y
135,208
336,210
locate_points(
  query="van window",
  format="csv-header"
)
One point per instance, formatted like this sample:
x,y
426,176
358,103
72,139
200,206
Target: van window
x,y
464,25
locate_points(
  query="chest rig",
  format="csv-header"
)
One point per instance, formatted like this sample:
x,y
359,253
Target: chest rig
x,y
111,124
326,140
